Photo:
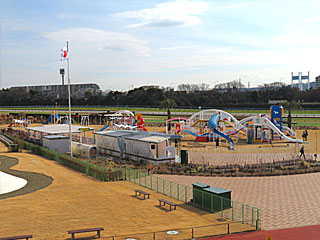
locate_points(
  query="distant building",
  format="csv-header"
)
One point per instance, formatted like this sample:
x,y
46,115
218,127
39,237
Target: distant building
x,y
61,91
318,82
302,86
305,86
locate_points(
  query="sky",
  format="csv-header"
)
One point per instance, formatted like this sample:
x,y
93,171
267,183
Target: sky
x,y
123,44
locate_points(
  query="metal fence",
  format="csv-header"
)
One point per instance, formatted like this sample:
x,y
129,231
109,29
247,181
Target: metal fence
x,y
227,208
186,233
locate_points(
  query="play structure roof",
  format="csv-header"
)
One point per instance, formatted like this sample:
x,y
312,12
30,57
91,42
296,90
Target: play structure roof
x,y
150,139
115,133
55,129
137,133
56,137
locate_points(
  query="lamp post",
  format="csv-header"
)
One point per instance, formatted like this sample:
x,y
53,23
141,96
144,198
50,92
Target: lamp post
x,y
62,76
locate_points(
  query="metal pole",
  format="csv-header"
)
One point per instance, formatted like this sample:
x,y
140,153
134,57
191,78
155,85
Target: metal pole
x,y
258,220
69,89
316,142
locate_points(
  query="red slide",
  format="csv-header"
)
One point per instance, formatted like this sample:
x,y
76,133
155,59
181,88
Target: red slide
x,y
10,124
140,124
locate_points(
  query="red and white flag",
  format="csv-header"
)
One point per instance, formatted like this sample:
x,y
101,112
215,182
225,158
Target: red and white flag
x,y
64,53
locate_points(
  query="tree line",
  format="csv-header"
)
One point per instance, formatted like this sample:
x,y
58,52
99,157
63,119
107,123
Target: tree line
x,y
227,95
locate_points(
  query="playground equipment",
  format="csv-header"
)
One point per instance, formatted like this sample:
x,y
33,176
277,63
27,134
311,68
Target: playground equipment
x,y
140,123
20,123
84,121
263,129
122,119
209,124
53,118
175,124
223,125
276,113
65,120
103,128
213,124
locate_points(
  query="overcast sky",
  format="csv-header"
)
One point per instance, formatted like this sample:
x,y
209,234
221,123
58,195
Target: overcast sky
x,y
121,44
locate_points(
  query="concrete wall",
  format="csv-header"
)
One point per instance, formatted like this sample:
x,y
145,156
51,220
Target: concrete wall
x,y
58,145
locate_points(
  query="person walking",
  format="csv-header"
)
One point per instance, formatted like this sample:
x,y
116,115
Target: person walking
x,y
306,134
217,142
302,153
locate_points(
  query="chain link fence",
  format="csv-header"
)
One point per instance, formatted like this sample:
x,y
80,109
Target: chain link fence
x,y
227,208
186,233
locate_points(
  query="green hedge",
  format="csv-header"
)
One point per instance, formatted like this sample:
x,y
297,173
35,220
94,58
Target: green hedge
x,y
90,169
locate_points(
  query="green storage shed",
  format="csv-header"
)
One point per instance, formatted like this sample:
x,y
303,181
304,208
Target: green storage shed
x,y
198,192
213,199
217,199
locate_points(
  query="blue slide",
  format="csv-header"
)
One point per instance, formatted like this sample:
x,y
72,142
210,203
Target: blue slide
x,y
213,123
192,133
47,122
104,128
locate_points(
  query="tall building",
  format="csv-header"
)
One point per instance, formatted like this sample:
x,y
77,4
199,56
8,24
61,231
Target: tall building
x,y
61,91
318,82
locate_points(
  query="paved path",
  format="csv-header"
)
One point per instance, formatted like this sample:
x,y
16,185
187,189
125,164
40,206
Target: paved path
x,y
286,201
221,159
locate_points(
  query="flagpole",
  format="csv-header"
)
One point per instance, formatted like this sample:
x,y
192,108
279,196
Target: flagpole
x,y
69,90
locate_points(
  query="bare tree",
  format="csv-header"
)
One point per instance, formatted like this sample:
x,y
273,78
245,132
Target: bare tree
x,y
204,87
184,87
235,84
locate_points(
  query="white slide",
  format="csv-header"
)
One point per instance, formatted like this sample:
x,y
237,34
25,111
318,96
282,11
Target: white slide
x,y
277,130
289,130
187,127
266,122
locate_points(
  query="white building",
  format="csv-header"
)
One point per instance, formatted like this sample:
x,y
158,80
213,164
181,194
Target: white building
x,y
135,145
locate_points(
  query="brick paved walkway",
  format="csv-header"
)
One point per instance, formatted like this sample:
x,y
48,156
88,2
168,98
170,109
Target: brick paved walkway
x,y
221,159
286,201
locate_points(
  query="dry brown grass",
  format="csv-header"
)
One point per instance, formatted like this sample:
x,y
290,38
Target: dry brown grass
x,y
75,201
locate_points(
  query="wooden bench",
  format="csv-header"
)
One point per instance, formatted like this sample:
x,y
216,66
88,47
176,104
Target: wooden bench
x,y
139,192
17,237
72,232
167,202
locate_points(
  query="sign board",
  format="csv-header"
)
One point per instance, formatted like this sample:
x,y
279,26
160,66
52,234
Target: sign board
x,y
84,129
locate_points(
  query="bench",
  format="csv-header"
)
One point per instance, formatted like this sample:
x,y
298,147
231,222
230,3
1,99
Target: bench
x,y
167,202
17,237
72,232
139,192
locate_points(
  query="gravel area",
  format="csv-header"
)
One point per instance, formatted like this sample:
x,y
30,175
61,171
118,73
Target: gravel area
x,y
36,181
